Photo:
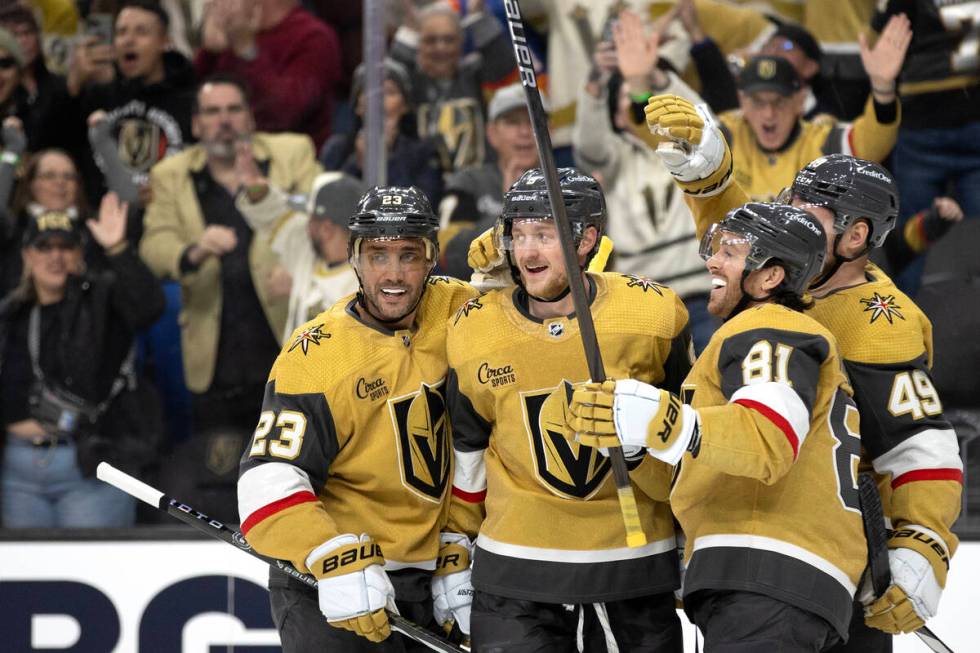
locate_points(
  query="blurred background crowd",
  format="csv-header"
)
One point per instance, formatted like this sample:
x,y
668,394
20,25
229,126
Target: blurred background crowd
x,y
176,177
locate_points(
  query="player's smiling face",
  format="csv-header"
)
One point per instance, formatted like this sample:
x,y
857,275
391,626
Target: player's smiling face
x,y
538,256
726,265
393,274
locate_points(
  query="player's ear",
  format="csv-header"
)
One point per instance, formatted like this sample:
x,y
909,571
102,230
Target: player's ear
x,y
856,236
772,276
589,238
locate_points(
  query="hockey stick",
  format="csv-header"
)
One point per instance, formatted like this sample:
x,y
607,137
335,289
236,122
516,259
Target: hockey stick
x,y
877,536
185,513
539,124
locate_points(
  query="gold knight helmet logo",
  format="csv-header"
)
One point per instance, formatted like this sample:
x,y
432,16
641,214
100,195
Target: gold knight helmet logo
x,y
568,469
424,439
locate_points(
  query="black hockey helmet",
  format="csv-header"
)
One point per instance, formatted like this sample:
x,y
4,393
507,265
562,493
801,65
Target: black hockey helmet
x,y
582,195
853,189
775,232
394,212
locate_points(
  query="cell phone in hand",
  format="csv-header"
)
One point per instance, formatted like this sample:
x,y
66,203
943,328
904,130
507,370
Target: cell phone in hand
x,y
99,25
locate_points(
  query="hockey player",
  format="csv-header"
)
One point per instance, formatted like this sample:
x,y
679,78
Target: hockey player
x,y
886,344
348,474
552,571
764,485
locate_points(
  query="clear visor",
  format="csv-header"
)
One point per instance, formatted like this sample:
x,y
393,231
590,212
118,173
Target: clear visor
x,y
388,253
526,233
730,244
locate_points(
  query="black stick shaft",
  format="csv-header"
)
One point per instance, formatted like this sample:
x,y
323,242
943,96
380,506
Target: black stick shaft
x,y
539,124
216,529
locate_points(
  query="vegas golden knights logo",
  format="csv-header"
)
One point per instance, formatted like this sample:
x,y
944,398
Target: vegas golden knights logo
x,y
139,144
424,439
568,469
456,126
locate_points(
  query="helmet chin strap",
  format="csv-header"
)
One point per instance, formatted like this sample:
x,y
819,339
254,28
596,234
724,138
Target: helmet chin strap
x,y
562,295
838,261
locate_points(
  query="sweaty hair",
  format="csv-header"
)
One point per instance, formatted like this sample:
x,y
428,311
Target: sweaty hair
x,y
783,296
152,6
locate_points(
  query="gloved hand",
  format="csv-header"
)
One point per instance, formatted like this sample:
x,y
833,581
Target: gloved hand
x,y
452,592
485,254
919,565
691,145
352,585
631,413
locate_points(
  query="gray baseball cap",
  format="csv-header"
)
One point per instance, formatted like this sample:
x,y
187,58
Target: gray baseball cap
x,y
507,99
334,197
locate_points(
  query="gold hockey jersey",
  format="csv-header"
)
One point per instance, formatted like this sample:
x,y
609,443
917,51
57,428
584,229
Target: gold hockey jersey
x,y
545,508
768,499
886,344
763,174
353,436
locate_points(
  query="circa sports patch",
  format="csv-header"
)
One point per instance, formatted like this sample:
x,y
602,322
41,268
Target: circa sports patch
x,y
882,306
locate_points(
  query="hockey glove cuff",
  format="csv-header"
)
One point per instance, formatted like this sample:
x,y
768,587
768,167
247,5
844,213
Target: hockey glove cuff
x,y
919,565
352,585
452,592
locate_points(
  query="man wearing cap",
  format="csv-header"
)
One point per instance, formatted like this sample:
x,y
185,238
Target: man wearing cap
x,y
474,196
769,139
312,245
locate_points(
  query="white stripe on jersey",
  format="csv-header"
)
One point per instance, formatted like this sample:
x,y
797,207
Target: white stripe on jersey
x,y
928,449
268,483
777,546
782,399
471,472
573,556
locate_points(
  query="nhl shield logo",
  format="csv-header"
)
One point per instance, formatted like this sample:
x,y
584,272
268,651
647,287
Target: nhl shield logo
x,y
568,469
424,439
556,329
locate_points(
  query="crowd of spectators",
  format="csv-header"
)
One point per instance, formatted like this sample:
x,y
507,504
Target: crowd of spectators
x,y
176,176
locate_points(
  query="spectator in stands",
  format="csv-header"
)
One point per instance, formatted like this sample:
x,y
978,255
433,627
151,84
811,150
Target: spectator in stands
x,y
65,338
50,184
409,160
790,41
648,220
938,148
44,94
475,196
144,114
312,244
770,141
573,30
281,49
195,234
447,86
